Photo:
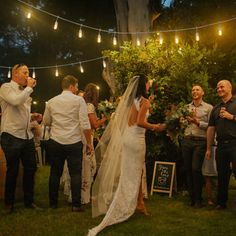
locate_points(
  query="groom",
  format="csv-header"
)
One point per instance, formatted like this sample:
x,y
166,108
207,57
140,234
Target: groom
x,y
67,115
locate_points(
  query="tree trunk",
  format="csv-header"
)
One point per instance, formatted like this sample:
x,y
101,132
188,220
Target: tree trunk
x,y
133,16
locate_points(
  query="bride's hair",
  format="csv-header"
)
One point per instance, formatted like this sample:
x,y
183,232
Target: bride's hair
x,y
141,89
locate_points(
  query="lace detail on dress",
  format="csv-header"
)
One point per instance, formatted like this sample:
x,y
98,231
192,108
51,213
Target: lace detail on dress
x,y
125,199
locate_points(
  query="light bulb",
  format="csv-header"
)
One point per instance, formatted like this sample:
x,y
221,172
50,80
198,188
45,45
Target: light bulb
x,y
161,40
138,42
220,32
114,40
55,25
28,16
97,87
56,72
33,74
80,34
99,38
197,36
9,73
81,68
176,39
104,63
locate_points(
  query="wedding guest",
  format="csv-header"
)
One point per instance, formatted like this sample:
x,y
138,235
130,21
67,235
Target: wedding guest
x,y
122,151
209,172
89,161
223,124
194,144
67,115
16,135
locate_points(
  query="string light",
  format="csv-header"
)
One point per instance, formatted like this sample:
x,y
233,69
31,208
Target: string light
x,y
114,40
176,39
128,33
33,74
28,16
97,87
9,73
81,68
104,63
197,36
138,43
56,72
55,24
99,38
161,40
80,34
219,31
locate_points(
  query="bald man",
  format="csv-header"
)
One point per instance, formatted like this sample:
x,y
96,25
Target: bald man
x,y
223,124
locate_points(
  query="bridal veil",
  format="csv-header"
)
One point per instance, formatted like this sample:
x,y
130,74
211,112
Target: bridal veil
x,y
108,152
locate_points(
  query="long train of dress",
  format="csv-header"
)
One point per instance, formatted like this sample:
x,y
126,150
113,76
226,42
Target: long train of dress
x,y
124,202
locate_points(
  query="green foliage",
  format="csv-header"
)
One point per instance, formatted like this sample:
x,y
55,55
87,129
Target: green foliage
x,y
174,69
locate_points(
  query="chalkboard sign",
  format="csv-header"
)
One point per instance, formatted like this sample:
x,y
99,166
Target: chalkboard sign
x,y
164,177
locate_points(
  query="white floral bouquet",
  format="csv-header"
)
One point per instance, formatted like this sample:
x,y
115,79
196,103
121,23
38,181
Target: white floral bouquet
x,y
176,121
106,108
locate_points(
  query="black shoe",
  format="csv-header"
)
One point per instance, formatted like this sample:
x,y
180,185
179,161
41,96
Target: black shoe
x,y
220,207
8,209
77,209
33,206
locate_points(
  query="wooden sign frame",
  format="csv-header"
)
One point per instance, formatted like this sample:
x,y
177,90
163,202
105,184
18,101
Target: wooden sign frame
x,y
173,181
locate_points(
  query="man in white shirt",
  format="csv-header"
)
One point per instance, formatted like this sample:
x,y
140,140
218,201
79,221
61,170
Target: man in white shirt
x,y
16,136
67,115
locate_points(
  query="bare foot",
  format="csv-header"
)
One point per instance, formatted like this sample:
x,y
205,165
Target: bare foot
x,y
143,210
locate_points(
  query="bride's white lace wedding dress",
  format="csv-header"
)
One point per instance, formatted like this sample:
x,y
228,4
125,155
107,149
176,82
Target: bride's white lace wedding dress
x,y
125,198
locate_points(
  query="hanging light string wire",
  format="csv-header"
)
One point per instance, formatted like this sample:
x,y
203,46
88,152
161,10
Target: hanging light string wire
x,y
117,32
59,65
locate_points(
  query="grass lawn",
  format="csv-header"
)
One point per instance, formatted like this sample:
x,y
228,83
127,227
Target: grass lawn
x,y
170,216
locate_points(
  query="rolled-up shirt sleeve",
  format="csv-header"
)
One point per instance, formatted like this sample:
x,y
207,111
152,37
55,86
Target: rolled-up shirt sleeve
x,y
47,117
10,96
83,115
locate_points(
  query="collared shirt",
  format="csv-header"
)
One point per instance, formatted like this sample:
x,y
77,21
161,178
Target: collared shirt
x,y
15,105
225,129
203,112
66,114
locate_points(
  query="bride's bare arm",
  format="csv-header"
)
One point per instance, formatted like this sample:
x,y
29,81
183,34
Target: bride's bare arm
x,y
141,119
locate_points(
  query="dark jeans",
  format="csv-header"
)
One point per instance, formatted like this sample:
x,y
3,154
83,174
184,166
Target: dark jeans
x,y
17,149
193,152
58,154
225,153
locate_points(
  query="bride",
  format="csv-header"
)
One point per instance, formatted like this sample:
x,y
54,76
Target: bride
x,y
117,187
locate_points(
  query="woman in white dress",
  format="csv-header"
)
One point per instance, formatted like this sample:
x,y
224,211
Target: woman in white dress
x,y
89,161
122,148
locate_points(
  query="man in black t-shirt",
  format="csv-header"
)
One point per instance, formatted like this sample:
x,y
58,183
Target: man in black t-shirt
x,y
223,123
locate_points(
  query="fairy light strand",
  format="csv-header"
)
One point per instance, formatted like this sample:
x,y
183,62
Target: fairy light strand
x,y
60,65
127,33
